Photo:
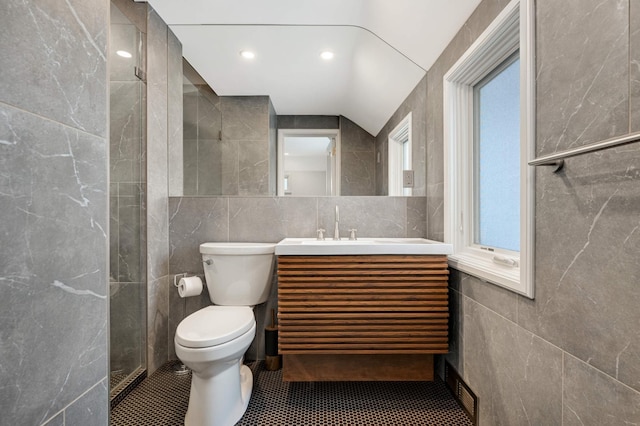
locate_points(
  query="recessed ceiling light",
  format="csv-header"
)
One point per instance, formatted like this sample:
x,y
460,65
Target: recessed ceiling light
x,y
326,55
247,54
123,53
286,153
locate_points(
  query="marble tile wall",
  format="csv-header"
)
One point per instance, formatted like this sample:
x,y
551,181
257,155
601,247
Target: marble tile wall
x,y
245,145
54,209
163,49
358,162
175,116
634,69
571,355
308,122
195,220
416,104
205,156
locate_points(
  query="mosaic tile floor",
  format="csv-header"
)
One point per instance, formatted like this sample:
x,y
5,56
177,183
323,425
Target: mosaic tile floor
x,y
162,399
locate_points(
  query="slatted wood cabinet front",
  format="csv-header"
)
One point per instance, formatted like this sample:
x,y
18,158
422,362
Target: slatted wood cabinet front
x,y
370,307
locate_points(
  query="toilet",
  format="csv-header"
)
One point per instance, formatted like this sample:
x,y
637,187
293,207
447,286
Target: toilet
x,y
213,340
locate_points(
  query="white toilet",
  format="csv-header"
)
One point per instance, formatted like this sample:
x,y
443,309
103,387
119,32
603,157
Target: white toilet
x,y
213,340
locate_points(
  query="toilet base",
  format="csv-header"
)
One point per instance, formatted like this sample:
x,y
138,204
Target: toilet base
x,y
220,402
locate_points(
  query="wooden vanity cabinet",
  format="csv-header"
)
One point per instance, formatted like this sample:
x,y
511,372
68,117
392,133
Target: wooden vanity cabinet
x,y
365,317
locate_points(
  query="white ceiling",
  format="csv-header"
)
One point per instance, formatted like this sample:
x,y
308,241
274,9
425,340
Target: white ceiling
x,y
382,50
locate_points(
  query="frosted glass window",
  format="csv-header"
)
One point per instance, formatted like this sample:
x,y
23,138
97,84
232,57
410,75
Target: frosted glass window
x,y
497,157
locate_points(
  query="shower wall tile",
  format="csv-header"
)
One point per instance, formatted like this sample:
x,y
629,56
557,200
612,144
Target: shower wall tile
x,y
516,375
123,36
583,72
126,325
54,303
126,131
593,398
157,134
157,192
175,115
634,69
54,60
135,13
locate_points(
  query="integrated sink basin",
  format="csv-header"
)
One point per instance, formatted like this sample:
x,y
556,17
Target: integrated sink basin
x,y
313,246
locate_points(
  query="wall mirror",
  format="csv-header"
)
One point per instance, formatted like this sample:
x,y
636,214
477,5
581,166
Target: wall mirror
x,y
236,146
308,162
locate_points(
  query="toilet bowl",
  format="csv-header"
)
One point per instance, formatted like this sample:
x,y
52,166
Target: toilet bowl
x,y
213,340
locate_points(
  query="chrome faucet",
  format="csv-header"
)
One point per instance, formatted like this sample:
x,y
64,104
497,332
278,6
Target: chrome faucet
x,y
336,232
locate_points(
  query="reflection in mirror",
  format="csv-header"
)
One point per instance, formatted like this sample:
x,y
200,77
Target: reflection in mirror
x,y
308,162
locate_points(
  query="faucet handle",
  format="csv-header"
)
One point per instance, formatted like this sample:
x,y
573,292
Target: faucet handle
x,y
320,234
352,234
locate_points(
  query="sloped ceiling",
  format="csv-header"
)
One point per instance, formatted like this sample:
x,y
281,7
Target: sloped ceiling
x,y
382,49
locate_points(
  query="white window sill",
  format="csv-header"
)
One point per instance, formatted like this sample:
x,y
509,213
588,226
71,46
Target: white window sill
x,y
486,269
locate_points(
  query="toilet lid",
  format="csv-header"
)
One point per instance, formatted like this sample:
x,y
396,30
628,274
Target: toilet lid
x,y
214,325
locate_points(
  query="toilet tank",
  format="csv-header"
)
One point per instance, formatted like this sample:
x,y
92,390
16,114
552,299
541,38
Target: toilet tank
x,y
238,274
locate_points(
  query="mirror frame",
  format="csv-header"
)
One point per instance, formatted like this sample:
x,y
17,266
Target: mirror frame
x,y
282,133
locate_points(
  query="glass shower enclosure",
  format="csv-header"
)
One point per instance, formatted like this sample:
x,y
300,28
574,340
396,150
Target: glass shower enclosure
x,y
127,204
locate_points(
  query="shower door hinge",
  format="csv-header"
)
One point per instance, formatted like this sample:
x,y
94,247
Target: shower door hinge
x,y
140,73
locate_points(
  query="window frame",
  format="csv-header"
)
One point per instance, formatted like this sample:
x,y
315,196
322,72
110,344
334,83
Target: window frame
x,y
511,31
400,135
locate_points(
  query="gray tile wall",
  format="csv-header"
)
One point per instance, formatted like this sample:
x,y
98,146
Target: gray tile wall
x,y
195,220
246,144
164,84
416,104
358,162
126,195
308,122
571,356
54,209
205,156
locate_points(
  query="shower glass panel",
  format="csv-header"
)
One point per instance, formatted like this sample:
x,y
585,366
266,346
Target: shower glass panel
x,y
127,204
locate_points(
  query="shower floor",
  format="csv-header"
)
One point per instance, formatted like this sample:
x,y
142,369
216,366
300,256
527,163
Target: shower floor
x,y
162,399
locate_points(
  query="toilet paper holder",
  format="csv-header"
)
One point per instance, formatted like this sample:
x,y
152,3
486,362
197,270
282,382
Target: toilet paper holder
x,y
177,277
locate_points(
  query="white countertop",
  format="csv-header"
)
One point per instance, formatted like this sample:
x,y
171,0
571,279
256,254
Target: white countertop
x,y
312,246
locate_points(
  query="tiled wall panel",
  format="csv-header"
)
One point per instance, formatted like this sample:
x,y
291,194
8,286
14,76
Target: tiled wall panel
x,y
572,354
54,209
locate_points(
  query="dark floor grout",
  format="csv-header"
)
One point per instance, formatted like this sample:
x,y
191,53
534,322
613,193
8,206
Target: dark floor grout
x,y
162,400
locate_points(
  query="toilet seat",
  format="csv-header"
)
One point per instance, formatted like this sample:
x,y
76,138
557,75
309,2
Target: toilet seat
x,y
214,325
